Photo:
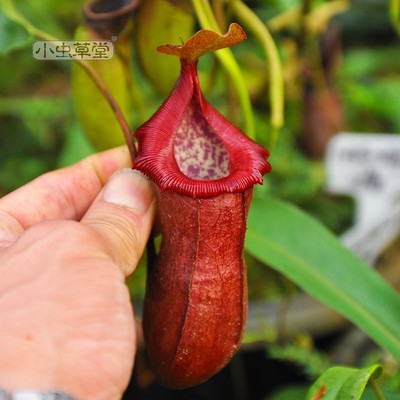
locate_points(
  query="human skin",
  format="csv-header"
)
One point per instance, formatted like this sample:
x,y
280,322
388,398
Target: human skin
x,y
67,241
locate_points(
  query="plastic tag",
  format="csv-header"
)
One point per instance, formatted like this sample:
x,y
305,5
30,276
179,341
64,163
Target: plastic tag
x,y
367,167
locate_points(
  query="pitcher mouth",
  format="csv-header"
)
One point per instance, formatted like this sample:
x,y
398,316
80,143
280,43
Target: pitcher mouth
x,y
187,145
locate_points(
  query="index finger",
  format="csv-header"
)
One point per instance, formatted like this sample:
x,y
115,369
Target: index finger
x,y
66,193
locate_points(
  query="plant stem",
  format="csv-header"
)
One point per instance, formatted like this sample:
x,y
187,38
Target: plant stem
x,y
377,391
253,23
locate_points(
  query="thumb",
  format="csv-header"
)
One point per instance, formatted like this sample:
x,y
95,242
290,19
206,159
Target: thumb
x,y
123,215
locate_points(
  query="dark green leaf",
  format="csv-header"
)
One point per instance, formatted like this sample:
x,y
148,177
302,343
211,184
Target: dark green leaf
x,y
342,383
301,248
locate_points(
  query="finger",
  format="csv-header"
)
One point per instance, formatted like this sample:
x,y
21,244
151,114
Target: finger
x,y
10,229
123,215
62,194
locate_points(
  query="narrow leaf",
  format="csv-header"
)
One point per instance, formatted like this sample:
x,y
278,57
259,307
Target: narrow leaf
x,y
276,92
301,248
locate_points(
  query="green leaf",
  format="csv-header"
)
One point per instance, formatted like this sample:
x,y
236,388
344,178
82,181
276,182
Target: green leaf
x,y
13,14
342,383
295,244
12,35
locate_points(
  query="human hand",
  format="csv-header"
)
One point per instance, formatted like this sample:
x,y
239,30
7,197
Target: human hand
x,y
65,313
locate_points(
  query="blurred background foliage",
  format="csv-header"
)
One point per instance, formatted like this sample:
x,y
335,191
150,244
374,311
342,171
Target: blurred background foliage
x,y
341,73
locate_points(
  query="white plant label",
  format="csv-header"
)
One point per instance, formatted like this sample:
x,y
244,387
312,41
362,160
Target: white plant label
x,y
367,167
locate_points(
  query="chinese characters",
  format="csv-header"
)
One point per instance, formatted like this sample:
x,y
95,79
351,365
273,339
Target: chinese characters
x,y
73,49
